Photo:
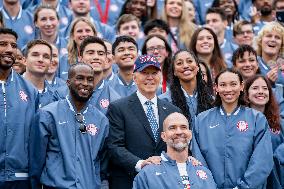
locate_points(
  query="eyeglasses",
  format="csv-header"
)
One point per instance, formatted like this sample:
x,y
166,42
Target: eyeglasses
x,y
80,118
152,49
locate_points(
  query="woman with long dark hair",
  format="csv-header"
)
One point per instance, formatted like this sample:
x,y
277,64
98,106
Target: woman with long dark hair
x,y
231,139
206,76
260,96
204,44
188,90
152,9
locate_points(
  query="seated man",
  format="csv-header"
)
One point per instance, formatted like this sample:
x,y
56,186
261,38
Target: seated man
x,y
176,169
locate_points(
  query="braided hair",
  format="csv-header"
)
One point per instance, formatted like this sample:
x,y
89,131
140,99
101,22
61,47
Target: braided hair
x,y
204,97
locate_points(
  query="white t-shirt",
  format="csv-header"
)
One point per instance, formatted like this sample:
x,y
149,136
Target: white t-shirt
x,y
183,175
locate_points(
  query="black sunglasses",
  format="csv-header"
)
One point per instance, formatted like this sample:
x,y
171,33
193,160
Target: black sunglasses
x,y
80,118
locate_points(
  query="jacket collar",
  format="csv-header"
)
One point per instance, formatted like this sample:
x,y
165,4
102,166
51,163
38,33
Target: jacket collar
x,y
166,158
11,76
72,106
234,112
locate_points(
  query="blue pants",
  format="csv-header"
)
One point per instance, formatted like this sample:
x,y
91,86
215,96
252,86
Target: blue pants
x,y
18,184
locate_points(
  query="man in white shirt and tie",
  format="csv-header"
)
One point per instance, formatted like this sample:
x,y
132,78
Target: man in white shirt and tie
x,y
136,124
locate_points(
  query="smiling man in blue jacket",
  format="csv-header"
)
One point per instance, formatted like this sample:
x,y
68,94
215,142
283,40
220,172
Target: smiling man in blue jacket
x,y
176,169
68,139
18,103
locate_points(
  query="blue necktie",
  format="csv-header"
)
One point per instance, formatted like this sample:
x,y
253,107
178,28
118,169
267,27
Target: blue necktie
x,y
152,119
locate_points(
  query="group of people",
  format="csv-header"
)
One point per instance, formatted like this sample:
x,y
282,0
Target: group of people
x,y
141,94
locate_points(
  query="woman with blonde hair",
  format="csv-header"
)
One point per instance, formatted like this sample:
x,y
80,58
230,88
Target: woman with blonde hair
x,y
270,51
176,15
81,28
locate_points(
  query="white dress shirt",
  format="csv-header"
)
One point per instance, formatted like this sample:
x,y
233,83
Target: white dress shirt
x,y
142,100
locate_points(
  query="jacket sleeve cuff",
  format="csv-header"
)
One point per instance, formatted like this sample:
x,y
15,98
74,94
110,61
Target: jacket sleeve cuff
x,y
138,165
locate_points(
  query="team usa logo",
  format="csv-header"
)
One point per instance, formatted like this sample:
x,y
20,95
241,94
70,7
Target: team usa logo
x,y
114,8
23,96
275,131
185,181
187,186
194,161
202,174
28,29
104,103
92,129
64,20
242,126
147,58
63,51
100,35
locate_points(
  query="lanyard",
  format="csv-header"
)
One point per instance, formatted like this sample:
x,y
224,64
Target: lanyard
x,y
103,16
164,84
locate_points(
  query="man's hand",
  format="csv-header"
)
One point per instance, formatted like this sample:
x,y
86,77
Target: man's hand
x,y
151,160
104,184
272,75
255,15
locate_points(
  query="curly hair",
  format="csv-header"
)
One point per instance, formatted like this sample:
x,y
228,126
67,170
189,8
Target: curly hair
x,y
269,27
235,16
271,110
239,53
126,10
204,97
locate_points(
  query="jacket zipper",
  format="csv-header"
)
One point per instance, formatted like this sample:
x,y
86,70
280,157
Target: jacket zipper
x,y
4,96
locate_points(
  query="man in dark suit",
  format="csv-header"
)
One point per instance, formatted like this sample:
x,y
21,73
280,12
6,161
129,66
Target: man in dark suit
x,y
135,125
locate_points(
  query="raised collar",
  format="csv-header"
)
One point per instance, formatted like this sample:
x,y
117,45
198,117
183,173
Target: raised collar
x,y
72,107
234,112
7,16
143,99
